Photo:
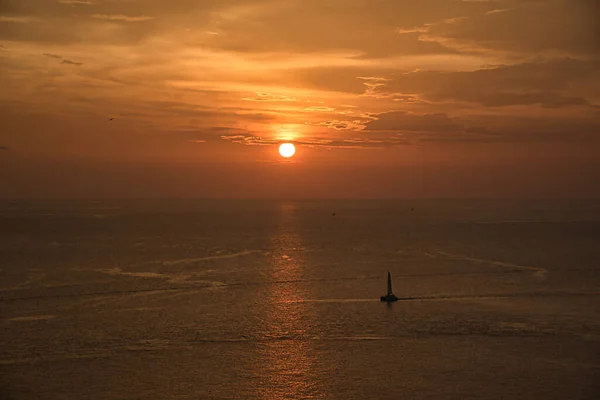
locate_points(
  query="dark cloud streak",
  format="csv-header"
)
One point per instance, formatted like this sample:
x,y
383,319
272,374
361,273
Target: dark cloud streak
x,y
70,62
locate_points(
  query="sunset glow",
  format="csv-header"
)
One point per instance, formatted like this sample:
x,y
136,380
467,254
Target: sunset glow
x,y
215,198
287,150
177,97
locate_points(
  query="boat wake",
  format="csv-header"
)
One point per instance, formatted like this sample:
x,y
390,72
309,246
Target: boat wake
x,y
449,297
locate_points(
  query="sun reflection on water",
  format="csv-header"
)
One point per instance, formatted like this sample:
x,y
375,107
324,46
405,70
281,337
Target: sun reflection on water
x,y
289,367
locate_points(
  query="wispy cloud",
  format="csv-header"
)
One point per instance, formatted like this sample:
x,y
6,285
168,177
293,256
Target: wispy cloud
x,y
420,29
498,11
261,96
323,143
551,84
531,27
247,67
19,20
320,109
120,17
401,121
249,140
355,125
373,83
77,2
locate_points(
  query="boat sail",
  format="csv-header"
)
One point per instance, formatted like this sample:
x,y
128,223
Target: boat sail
x,y
389,297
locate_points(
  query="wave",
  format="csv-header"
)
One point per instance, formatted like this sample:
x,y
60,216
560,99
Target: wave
x,y
516,221
193,286
138,309
171,277
537,271
119,271
331,300
186,261
32,318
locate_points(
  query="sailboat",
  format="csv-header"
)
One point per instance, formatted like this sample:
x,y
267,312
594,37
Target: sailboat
x,y
389,297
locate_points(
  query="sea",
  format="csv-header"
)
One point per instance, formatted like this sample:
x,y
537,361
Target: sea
x,y
280,299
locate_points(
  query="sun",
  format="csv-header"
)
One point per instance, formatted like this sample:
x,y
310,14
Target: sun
x,y
287,150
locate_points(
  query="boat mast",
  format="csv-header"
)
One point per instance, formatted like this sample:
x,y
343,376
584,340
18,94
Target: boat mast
x,y
389,283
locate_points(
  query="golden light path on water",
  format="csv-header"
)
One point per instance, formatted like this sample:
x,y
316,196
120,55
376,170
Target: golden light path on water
x,y
288,363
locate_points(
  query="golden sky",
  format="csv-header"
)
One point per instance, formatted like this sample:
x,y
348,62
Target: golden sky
x,y
382,98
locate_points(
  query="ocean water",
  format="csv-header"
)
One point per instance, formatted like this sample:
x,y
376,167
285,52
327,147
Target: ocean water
x,y
249,299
